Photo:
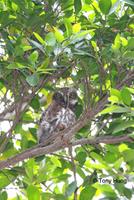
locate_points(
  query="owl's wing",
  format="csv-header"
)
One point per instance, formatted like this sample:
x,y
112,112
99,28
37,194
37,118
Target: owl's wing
x,y
46,127
43,130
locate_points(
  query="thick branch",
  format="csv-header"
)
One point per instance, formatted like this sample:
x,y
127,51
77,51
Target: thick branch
x,y
38,151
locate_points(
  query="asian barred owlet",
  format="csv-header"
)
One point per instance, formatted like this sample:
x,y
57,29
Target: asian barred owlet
x,y
59,115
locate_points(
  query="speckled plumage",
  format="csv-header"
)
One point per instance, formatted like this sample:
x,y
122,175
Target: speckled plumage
x,y
59,115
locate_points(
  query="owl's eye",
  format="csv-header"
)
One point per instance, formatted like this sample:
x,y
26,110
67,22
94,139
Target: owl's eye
x,y
58,97
73,95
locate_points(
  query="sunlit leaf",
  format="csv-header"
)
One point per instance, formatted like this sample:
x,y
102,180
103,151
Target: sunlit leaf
x,y
29,168
34,57
6,178
39,38
55,161
123,147
33,193
76,28
58,35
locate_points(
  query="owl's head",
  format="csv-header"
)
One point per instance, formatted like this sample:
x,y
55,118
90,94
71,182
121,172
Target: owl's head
x,y
66,97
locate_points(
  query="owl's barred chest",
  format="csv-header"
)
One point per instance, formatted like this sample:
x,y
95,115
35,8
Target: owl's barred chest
x,y
65,118
59,120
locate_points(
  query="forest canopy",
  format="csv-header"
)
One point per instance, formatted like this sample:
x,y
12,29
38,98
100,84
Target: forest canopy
x,y
47,45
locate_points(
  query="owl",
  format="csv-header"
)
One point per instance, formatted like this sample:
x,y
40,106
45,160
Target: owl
x,y
59,115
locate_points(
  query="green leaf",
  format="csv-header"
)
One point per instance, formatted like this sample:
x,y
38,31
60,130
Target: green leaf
x,y
87,193
88,1
124,41
130,44
128,55
126,96
14,6
46,196
34,57
113,99
115,92
56,161
37,45
27,117
16,65
110,157
50,39
19,51
105,6
71,188
76,28
33,131
81,35
3,195
123,147
29,168
128,155
26,47
80,172
81,157
68,26
122,126
115,109
58,35
127,193
33,193
44,65
114,7
35,104
33,79
107,190
39,38
117,42
6,177
77,6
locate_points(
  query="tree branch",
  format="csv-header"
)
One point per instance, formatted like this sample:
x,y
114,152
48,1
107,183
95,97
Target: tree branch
x,y
38,151
69,132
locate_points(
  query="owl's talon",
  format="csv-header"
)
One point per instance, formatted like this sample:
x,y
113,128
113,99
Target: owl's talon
x,y
65,141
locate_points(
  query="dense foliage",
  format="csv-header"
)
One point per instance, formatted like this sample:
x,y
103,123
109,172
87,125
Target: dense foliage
x,y
87,44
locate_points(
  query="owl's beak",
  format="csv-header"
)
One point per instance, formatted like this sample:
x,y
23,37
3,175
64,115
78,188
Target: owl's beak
x,y
74,102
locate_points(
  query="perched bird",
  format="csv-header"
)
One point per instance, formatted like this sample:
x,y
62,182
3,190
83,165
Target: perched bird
x,y
59,115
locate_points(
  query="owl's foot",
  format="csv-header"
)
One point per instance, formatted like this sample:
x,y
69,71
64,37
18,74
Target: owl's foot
x,y
66,142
